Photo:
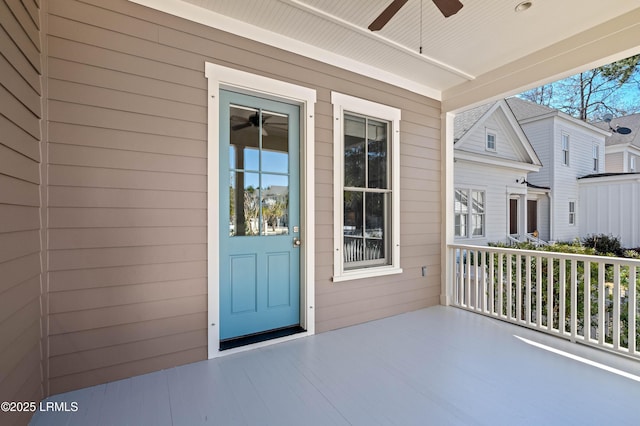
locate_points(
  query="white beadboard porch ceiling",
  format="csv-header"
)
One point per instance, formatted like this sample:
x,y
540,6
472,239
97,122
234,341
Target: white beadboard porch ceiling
x,y
482,37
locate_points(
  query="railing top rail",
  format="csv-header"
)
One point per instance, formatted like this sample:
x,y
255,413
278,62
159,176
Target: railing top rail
x,y
550,254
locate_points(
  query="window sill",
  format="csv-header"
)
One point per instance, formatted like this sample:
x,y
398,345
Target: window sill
x,y
367,273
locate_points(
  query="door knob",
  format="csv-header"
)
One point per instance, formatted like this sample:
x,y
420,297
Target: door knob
x,y
297,242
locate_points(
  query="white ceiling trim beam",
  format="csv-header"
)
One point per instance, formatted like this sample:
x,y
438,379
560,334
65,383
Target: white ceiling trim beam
x,y
215,20
605,43
377,37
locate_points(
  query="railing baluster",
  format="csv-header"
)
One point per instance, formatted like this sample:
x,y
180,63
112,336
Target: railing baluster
x,y
461,267
509,311
492,277
518,287
573,326
587,301
550,293
476,280
633,309
616,306
562,289
500,284
483,282
527,305
601,302
467,288
539,291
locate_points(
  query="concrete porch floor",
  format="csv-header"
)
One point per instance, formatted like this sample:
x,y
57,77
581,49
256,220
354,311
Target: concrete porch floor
x,y
435,366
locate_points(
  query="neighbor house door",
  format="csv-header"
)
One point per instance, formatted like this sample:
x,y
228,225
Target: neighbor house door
x,y
259,215
513,217
532,215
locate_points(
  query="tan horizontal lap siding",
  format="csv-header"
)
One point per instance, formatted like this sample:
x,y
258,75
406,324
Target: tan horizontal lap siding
x,y
127,189
20,248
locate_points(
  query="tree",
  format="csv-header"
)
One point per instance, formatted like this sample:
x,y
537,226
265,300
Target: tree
x,y
542,95
611,88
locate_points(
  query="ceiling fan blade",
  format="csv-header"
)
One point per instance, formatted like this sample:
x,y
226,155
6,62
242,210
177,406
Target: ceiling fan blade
x,y
386,15
241,126
448,7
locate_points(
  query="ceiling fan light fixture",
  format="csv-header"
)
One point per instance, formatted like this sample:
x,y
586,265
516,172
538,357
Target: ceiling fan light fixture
x,y
521,7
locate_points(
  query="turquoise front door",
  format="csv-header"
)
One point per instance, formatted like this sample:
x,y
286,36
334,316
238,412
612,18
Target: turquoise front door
x,y
259,215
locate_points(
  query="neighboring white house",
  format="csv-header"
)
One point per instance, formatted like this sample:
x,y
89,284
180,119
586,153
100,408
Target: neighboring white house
x,y
569,149
522,167
610,205
492,159
610,202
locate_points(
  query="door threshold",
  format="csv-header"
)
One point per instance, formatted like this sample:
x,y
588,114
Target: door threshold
x,y
251,339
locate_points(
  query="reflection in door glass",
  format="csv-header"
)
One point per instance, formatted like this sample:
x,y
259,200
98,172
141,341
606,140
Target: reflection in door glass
x,y
259,172
244,138
275,204
275,143
244,204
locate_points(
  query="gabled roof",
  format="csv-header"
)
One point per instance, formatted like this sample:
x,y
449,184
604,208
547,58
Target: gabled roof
x,y
464,121
632,122
467,121
526,111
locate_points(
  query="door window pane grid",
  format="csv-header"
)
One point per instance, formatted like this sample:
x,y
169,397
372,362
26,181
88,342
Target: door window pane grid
x,y
259,172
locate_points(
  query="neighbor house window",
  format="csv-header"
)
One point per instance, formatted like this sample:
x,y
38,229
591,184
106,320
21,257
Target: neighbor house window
x,y
632,164
366,188
596,157
572,212
469,213
565,149
491,141
461,212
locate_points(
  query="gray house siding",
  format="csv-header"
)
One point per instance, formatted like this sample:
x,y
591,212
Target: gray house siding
x,y
20,272
127,189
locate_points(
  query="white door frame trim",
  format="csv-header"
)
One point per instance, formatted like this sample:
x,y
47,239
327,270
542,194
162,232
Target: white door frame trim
x,y
240,81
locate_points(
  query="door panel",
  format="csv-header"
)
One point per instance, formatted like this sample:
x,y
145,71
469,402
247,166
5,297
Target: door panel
x,y
278,266
260,210
243,283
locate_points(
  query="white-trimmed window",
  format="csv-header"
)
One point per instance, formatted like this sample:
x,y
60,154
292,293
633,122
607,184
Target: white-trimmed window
x,y
469,212
632,163
366,188
490,140
572,212
565,149
596,157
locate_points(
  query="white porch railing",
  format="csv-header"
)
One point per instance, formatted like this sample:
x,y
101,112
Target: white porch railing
x,y
588,299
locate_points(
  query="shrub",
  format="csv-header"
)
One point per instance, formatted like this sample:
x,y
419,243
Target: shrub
x,y
632,254
604,244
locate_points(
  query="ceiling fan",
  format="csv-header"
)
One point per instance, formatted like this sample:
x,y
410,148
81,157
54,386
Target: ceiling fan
x,y
252,120
447,7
